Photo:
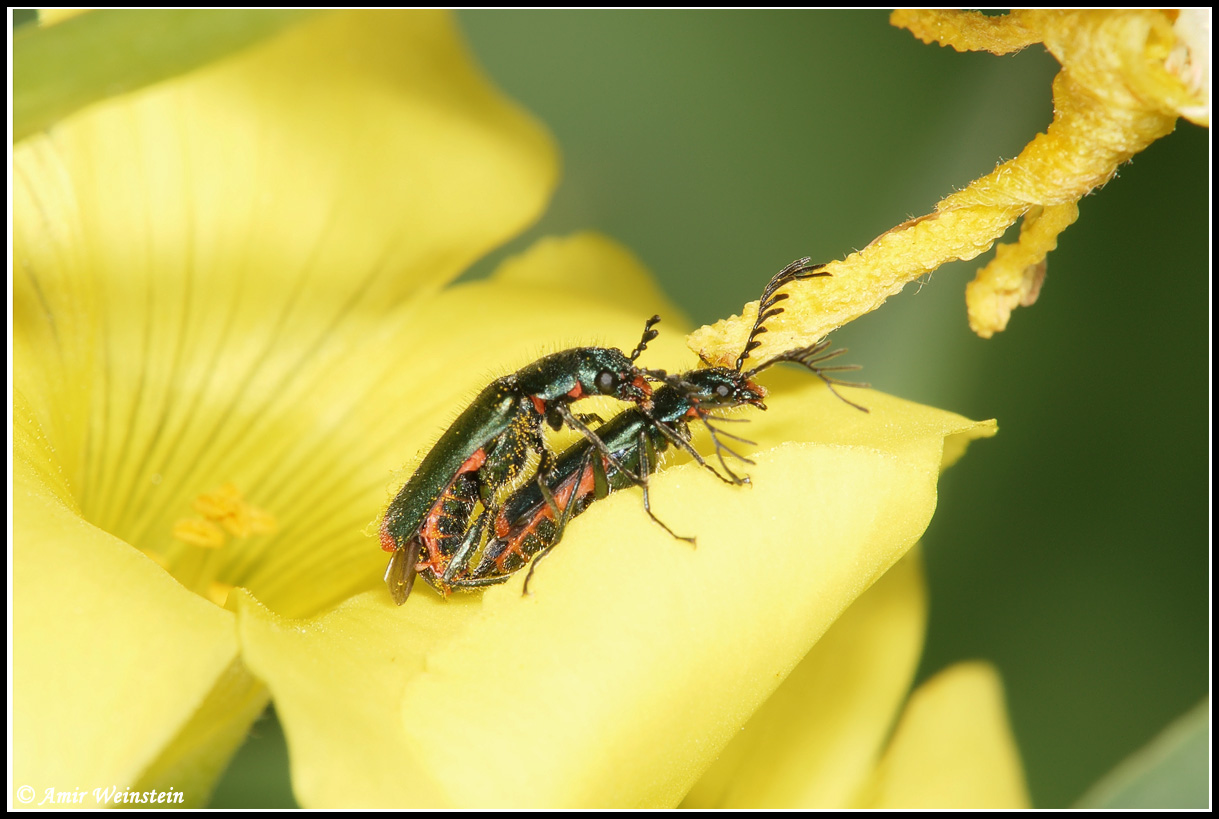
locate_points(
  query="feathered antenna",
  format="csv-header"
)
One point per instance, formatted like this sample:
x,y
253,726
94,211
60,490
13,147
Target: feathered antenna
x,y
812,358
798,270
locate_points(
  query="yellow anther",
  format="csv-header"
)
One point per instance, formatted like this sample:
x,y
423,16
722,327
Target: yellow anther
x,y
198,532
228,508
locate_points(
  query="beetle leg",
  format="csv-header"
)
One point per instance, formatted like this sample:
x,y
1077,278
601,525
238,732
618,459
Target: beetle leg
x,y
548,496
561,517
460,560
545,459
479,582
644,472
684,443
721,447
574,422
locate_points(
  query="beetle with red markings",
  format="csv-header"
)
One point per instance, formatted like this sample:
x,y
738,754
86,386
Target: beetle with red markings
x,y
488,446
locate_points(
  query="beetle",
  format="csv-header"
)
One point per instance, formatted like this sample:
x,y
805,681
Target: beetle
x,y
489,444
531,520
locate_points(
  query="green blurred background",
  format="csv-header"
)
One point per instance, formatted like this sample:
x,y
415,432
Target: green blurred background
x,y
1072,549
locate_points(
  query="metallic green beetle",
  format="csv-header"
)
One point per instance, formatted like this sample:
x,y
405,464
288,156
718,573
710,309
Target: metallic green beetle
x,y
489,444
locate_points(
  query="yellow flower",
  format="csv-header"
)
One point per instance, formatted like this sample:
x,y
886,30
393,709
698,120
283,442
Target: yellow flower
x,y
231,331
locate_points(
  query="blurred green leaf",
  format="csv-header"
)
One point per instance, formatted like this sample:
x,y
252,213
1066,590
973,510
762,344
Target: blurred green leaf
x,y
60,68
258,776
1172,771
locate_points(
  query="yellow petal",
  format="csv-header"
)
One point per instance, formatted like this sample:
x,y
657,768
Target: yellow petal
x,y
952,749
816,740
338,683
60,68
602,270
114,660
637,657
211,272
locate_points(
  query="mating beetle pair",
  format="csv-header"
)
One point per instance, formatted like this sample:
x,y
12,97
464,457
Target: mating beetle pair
x,y
431,526
485,449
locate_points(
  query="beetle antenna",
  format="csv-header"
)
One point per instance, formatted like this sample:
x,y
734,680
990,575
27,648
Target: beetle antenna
x,y
813,358
798,270
648,335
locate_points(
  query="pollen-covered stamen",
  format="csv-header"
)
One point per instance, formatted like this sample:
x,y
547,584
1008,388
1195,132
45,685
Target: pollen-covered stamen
x,y
199,532
223,513
226,507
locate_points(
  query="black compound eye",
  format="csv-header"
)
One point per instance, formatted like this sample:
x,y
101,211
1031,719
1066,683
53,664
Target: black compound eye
x,y
606,382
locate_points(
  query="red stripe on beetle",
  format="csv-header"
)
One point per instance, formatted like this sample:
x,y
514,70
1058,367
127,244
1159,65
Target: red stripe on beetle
x,y
430,531
584,487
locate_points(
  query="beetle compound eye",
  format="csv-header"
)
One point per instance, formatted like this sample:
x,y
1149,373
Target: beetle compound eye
x,y
723,391
606,381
